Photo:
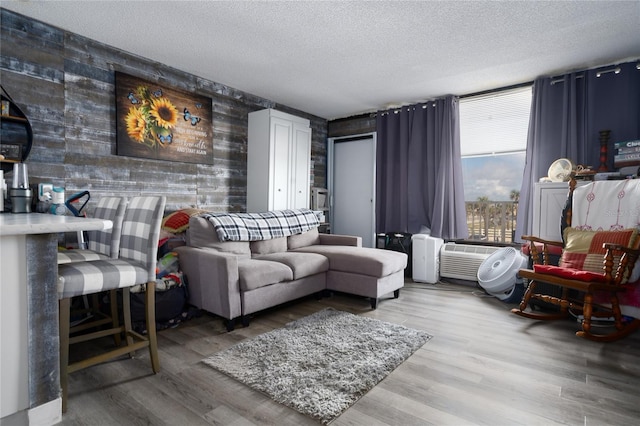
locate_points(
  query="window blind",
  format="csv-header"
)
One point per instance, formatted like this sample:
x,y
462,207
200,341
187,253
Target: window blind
x,y
495,123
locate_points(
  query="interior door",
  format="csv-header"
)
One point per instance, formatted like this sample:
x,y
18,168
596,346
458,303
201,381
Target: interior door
x,y
352,186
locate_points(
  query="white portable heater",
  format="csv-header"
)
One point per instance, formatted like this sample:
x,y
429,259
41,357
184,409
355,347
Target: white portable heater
x,y
426,258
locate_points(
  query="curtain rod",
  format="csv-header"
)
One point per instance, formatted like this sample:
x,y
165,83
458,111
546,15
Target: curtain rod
x,y
490,91
398,109
615,70
561,79
468,95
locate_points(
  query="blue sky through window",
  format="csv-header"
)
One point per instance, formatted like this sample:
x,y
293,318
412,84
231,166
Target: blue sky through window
x,y
492,176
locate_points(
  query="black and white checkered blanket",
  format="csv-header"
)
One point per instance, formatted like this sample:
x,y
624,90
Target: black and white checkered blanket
x,y
262,226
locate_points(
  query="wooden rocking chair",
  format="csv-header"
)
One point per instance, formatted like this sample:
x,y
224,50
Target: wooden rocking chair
x,y
583,284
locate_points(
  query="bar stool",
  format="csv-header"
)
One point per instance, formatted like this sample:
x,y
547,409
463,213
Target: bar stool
x,y
135,265
102,244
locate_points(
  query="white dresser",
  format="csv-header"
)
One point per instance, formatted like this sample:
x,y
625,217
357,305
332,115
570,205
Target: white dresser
x,y
549,199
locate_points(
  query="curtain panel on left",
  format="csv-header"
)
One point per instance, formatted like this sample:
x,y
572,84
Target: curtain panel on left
x,y
419,170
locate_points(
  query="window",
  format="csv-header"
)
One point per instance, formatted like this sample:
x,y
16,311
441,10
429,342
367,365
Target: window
x,y
493,141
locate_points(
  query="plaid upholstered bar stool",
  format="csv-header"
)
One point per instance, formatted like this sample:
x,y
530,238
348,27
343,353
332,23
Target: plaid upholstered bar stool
x,y
103,244
136,264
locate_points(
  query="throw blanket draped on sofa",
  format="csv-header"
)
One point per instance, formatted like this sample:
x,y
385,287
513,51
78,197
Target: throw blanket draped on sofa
x,y
262,226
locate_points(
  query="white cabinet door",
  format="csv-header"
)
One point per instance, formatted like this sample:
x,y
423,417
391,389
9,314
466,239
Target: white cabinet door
x,y
279,166
301,165
548,202
549,199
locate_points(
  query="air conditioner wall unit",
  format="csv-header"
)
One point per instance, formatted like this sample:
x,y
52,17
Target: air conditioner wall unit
x,y
462,261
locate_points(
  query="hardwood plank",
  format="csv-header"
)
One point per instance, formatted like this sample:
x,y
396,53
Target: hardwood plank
x,y
484,365
399,409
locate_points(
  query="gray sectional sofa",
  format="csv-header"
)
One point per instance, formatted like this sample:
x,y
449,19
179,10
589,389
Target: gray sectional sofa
x,y
234,279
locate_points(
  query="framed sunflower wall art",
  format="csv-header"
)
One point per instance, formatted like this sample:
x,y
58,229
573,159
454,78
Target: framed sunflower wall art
x,y
162,123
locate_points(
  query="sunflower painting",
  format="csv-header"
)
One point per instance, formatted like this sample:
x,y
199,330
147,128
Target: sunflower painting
x,y
162,123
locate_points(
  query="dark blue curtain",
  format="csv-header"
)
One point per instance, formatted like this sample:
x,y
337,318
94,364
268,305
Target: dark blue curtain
x,y
567,115
419,170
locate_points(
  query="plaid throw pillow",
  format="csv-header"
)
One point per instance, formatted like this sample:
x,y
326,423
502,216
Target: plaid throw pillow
x,y
583,249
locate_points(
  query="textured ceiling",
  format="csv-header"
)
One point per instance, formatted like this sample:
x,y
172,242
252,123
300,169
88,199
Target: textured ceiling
x,y
337,59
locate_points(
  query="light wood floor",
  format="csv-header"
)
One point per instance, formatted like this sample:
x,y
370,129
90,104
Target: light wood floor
x,y
483,366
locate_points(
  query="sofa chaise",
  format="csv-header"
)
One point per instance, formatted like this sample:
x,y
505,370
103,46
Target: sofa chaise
x,y
233,273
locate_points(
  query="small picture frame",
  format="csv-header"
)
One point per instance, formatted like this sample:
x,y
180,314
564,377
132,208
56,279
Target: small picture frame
x,y
319,199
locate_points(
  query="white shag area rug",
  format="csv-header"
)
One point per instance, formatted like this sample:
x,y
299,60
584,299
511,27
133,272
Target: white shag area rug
x,y
321,364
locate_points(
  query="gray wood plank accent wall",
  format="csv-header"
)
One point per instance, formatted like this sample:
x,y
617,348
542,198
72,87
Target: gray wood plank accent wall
x,y
65,85
354,125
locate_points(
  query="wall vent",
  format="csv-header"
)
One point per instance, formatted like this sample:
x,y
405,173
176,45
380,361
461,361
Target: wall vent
x,y
462,261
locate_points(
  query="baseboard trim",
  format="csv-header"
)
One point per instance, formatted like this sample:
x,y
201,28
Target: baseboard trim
x,y
49,413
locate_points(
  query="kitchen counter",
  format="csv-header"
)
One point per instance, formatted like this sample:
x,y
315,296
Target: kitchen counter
x,y
29,342
42,223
